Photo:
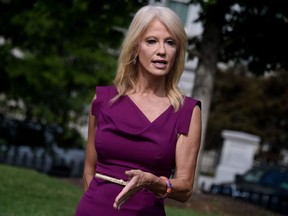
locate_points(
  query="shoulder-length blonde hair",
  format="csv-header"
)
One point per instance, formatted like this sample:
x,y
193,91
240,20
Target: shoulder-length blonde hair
x,y
126,74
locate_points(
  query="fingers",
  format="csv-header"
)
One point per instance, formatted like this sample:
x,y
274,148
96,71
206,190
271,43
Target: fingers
x,y
129,190
117,205
132,173
124,195
137,182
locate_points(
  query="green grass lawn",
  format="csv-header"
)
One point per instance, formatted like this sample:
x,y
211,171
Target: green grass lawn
x,y
25,192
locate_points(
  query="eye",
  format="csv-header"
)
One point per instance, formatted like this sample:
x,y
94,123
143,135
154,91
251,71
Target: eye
x,y
171,42
151,41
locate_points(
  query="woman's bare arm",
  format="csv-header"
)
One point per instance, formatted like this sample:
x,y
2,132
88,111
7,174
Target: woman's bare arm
x,y
90,152
186,159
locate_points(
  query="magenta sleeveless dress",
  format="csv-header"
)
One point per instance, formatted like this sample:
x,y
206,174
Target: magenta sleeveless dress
x,y
125,139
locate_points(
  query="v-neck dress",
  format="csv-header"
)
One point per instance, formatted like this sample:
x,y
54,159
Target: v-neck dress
x,y
125,139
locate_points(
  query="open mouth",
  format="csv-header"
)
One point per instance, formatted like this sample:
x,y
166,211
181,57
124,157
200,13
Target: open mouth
x,y
160,63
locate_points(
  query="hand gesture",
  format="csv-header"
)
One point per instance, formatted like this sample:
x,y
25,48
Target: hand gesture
x,y
138,181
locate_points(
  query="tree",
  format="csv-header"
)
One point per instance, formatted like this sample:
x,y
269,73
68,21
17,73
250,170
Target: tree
x,y
246,31
239,31
53,54
256,105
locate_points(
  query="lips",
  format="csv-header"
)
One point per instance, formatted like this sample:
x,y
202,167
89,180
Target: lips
x,y
160,63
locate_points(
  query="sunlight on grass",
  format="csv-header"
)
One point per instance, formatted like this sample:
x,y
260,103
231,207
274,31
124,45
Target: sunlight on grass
x,y
27,192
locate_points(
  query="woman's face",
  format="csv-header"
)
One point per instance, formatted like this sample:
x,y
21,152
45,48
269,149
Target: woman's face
x,y
157,50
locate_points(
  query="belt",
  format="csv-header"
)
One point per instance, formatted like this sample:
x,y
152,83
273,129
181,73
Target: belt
x,y
111,179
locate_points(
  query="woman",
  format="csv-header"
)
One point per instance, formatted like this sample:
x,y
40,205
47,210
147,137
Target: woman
x,y
142,128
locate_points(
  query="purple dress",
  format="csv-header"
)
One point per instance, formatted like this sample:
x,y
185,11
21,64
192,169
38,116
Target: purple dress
x,y
125,139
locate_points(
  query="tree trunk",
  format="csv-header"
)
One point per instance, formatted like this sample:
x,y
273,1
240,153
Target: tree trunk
x,y
204,80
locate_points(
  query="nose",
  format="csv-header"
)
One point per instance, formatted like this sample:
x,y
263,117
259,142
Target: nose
x,y
161,49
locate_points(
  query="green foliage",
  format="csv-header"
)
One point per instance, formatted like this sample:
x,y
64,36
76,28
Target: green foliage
x,y
70,137
251,104
65,52
248,30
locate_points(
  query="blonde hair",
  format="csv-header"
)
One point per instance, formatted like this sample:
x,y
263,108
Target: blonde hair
x,y
126,74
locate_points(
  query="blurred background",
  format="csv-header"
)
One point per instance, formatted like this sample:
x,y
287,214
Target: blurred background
x,y
54,53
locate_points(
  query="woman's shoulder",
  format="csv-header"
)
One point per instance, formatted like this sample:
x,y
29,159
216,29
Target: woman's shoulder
x,y
102,98
186,112
190,102
106,88
106,91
